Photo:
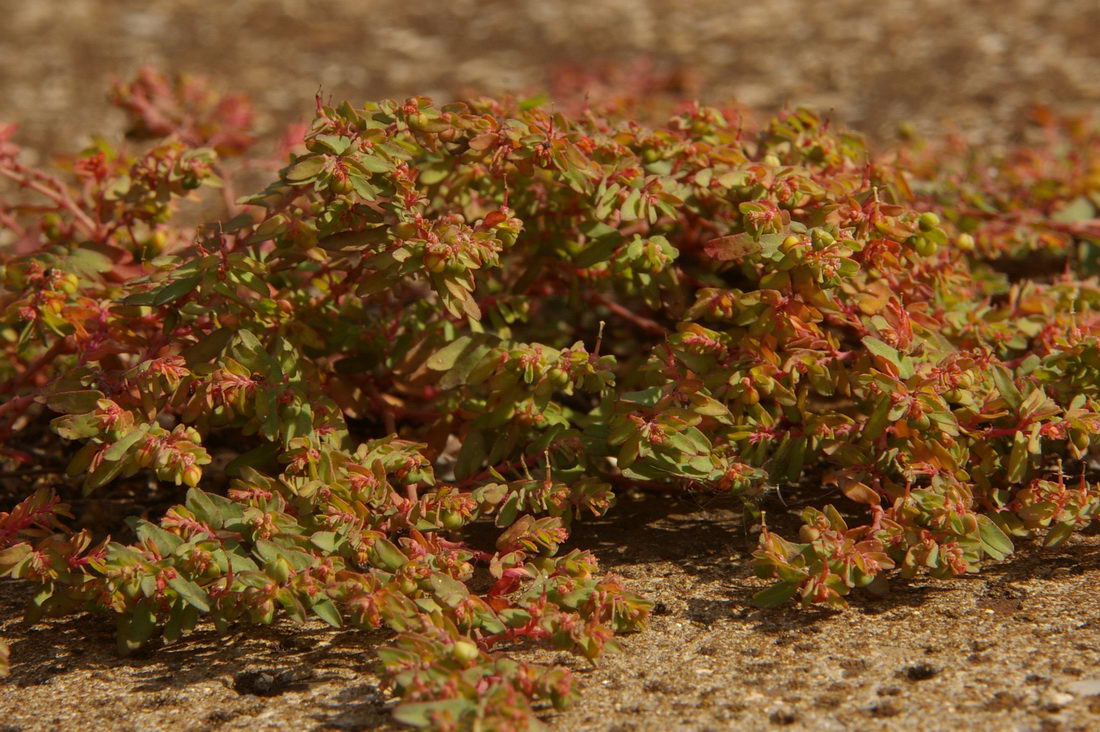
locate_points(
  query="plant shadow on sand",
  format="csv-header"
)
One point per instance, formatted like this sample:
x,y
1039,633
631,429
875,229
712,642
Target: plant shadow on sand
x,y
688,553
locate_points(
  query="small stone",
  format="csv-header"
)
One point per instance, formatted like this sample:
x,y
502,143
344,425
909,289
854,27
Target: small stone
x,y
260,683
920,672
1058,698
1084,687
783,717
884,709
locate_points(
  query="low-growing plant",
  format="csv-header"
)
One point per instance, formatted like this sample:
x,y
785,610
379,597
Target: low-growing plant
x,y
490,313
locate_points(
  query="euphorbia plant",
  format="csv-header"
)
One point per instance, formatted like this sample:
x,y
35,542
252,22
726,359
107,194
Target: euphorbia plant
x,y
490,312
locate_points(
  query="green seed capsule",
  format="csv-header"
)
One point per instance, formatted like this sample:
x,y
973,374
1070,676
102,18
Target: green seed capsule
x,y
281,570
789,244
340,185
928,221
465,651
452,520
822,238
924,247
557,376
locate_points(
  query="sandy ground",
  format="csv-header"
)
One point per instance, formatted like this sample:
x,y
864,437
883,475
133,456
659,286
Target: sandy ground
x,y
1016,648
976,64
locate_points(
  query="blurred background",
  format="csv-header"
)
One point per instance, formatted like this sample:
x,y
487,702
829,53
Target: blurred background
x,y
972,65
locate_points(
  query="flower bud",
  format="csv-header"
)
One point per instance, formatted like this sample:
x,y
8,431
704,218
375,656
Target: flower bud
x,y
280,570
192,474
465,651
925,247
928,221
808,534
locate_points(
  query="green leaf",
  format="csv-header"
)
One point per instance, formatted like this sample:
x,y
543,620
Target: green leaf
x,y
337,145
374,164
471,455
212,509
534,102
208,348
74,402
645,397
12,557
422,714
135,626
326,610
76,426
183,618
732,248
165,541
388,555
1079,209
995,543
118,450
448,589
465,364
876,423
326,541
795,459
445,358
190,592
891,354
251,342
775,595
175,290
256,457
598,250
306,169
84,261
515,617
297,420
104,474
1058,534
1017,459
509,510
1007,388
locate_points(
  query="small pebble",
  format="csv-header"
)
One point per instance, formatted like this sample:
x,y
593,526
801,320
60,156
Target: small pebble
x,y
1084,687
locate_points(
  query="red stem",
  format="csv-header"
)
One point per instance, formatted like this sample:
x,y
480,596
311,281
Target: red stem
x,y
646,324
39,363
58,195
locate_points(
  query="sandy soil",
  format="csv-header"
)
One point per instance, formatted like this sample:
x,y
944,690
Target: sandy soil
x,y
975,64
1016,648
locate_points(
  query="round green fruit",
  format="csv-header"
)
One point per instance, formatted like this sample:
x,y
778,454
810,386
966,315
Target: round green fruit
x,y
557,376
465,651
822,238
405,230
341,185
452,520
925,247
928,221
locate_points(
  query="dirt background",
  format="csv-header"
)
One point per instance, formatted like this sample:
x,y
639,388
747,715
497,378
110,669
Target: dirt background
x,y
976,64
1016,648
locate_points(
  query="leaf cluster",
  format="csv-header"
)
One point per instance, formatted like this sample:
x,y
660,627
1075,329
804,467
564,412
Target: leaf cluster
x,y
492,312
